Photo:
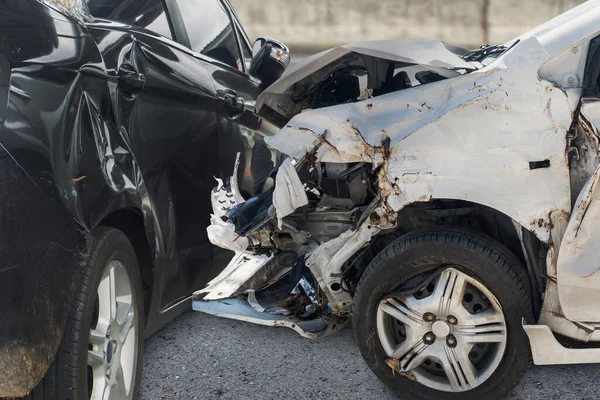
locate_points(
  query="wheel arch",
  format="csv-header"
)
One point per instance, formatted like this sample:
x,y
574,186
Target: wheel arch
x,y
130,221
475,217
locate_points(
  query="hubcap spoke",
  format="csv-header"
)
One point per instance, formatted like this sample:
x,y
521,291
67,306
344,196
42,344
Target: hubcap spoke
x,y
113,294
119,389
108,392
96,357
401,312
104,304
97,338
125,329
485,327
127,324
415,357
449,291
460,371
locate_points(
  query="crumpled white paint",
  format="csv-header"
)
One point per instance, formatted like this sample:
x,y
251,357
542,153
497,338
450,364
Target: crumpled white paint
x,y
289,192
222,234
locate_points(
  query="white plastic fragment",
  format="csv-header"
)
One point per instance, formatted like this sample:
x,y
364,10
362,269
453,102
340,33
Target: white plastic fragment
x,y
289,192
222,234
241,268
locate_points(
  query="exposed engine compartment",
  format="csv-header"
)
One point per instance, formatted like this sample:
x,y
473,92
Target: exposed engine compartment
x,y
274,247
303,240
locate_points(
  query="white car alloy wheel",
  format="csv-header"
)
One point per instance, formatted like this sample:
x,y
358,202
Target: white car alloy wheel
x,y
112,350
450,336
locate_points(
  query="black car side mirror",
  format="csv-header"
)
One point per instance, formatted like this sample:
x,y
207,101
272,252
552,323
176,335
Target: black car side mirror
x,y
270,58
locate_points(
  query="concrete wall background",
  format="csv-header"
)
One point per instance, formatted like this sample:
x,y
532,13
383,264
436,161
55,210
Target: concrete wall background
x,y
314,24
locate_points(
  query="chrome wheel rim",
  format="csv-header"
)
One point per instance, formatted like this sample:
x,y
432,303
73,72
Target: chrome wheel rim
x,y
449,336
112,347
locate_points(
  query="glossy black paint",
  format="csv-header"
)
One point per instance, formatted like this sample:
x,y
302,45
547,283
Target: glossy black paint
x,y
105,124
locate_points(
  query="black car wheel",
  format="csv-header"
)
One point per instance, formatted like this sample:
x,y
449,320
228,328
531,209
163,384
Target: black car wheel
x,y
101,353
456,334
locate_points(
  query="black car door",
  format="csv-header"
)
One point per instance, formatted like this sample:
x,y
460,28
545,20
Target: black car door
x,y
166,107
213,32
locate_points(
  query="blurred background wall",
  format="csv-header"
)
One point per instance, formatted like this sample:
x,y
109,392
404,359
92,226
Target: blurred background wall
x,y
318,24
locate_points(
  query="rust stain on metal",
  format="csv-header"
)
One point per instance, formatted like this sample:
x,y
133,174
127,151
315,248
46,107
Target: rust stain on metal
x,y
369,106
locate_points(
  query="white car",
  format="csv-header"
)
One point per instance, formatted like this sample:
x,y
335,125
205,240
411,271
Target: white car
x,y
445,200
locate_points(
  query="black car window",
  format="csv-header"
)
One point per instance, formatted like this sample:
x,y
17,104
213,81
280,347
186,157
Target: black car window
x,y
149,14
210,30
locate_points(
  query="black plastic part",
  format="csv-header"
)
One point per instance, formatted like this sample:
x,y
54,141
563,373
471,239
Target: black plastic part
x,y
338,90
261,166
428,76
536,268
539,164
335,187
591,76
267,68
414,284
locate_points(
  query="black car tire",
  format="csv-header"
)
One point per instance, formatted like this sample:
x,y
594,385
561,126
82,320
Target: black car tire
x,y
67,377
476,255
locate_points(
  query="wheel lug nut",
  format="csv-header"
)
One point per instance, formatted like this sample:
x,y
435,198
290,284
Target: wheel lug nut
x,y
428,317
451,341
429,338
452,319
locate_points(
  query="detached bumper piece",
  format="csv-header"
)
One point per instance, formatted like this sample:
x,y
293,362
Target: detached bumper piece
x,y
286,297
546,350
241,310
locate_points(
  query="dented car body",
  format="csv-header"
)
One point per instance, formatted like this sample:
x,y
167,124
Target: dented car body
x,y
383,141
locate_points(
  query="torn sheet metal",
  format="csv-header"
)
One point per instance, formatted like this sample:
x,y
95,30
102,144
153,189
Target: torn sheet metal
x,y
434,53
327,261
449,138
241,268
289,192
302,78
242,311
222,233
578,263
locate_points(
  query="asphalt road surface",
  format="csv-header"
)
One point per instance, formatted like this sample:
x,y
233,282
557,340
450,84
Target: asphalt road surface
x,y
199,356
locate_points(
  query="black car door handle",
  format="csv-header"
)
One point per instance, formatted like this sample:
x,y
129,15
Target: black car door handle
x,y
234,105
131,82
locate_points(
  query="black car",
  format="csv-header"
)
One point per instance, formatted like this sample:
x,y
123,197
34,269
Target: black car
x,y
116,118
